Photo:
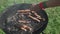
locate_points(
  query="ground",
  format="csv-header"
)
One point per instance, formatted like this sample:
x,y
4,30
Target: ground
x,y
53,26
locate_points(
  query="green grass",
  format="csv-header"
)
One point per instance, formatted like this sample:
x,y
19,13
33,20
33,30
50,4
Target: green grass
x,y
53,26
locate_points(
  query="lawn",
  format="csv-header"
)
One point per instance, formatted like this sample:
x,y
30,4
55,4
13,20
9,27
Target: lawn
x,y
53,26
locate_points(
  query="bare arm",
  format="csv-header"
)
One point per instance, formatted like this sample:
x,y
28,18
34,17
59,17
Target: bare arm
x,y
49,3
53,3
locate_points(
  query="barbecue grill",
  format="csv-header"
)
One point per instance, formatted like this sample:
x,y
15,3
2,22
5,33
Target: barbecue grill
x,y
12,20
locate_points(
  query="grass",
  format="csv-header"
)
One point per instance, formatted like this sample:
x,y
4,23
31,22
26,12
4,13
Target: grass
x,y
53,26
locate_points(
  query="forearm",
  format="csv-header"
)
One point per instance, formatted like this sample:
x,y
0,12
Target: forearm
x,y
53,3
49,3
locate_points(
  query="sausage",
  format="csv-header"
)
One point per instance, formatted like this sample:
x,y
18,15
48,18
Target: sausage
x,y
23,21
23,11
35,14
25,28
27,10
39,17
34,18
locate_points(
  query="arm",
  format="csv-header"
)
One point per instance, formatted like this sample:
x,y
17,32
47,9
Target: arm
x,y
53,3
49,3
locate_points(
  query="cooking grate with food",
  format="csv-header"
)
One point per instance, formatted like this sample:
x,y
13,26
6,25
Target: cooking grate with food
x,y
19,19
